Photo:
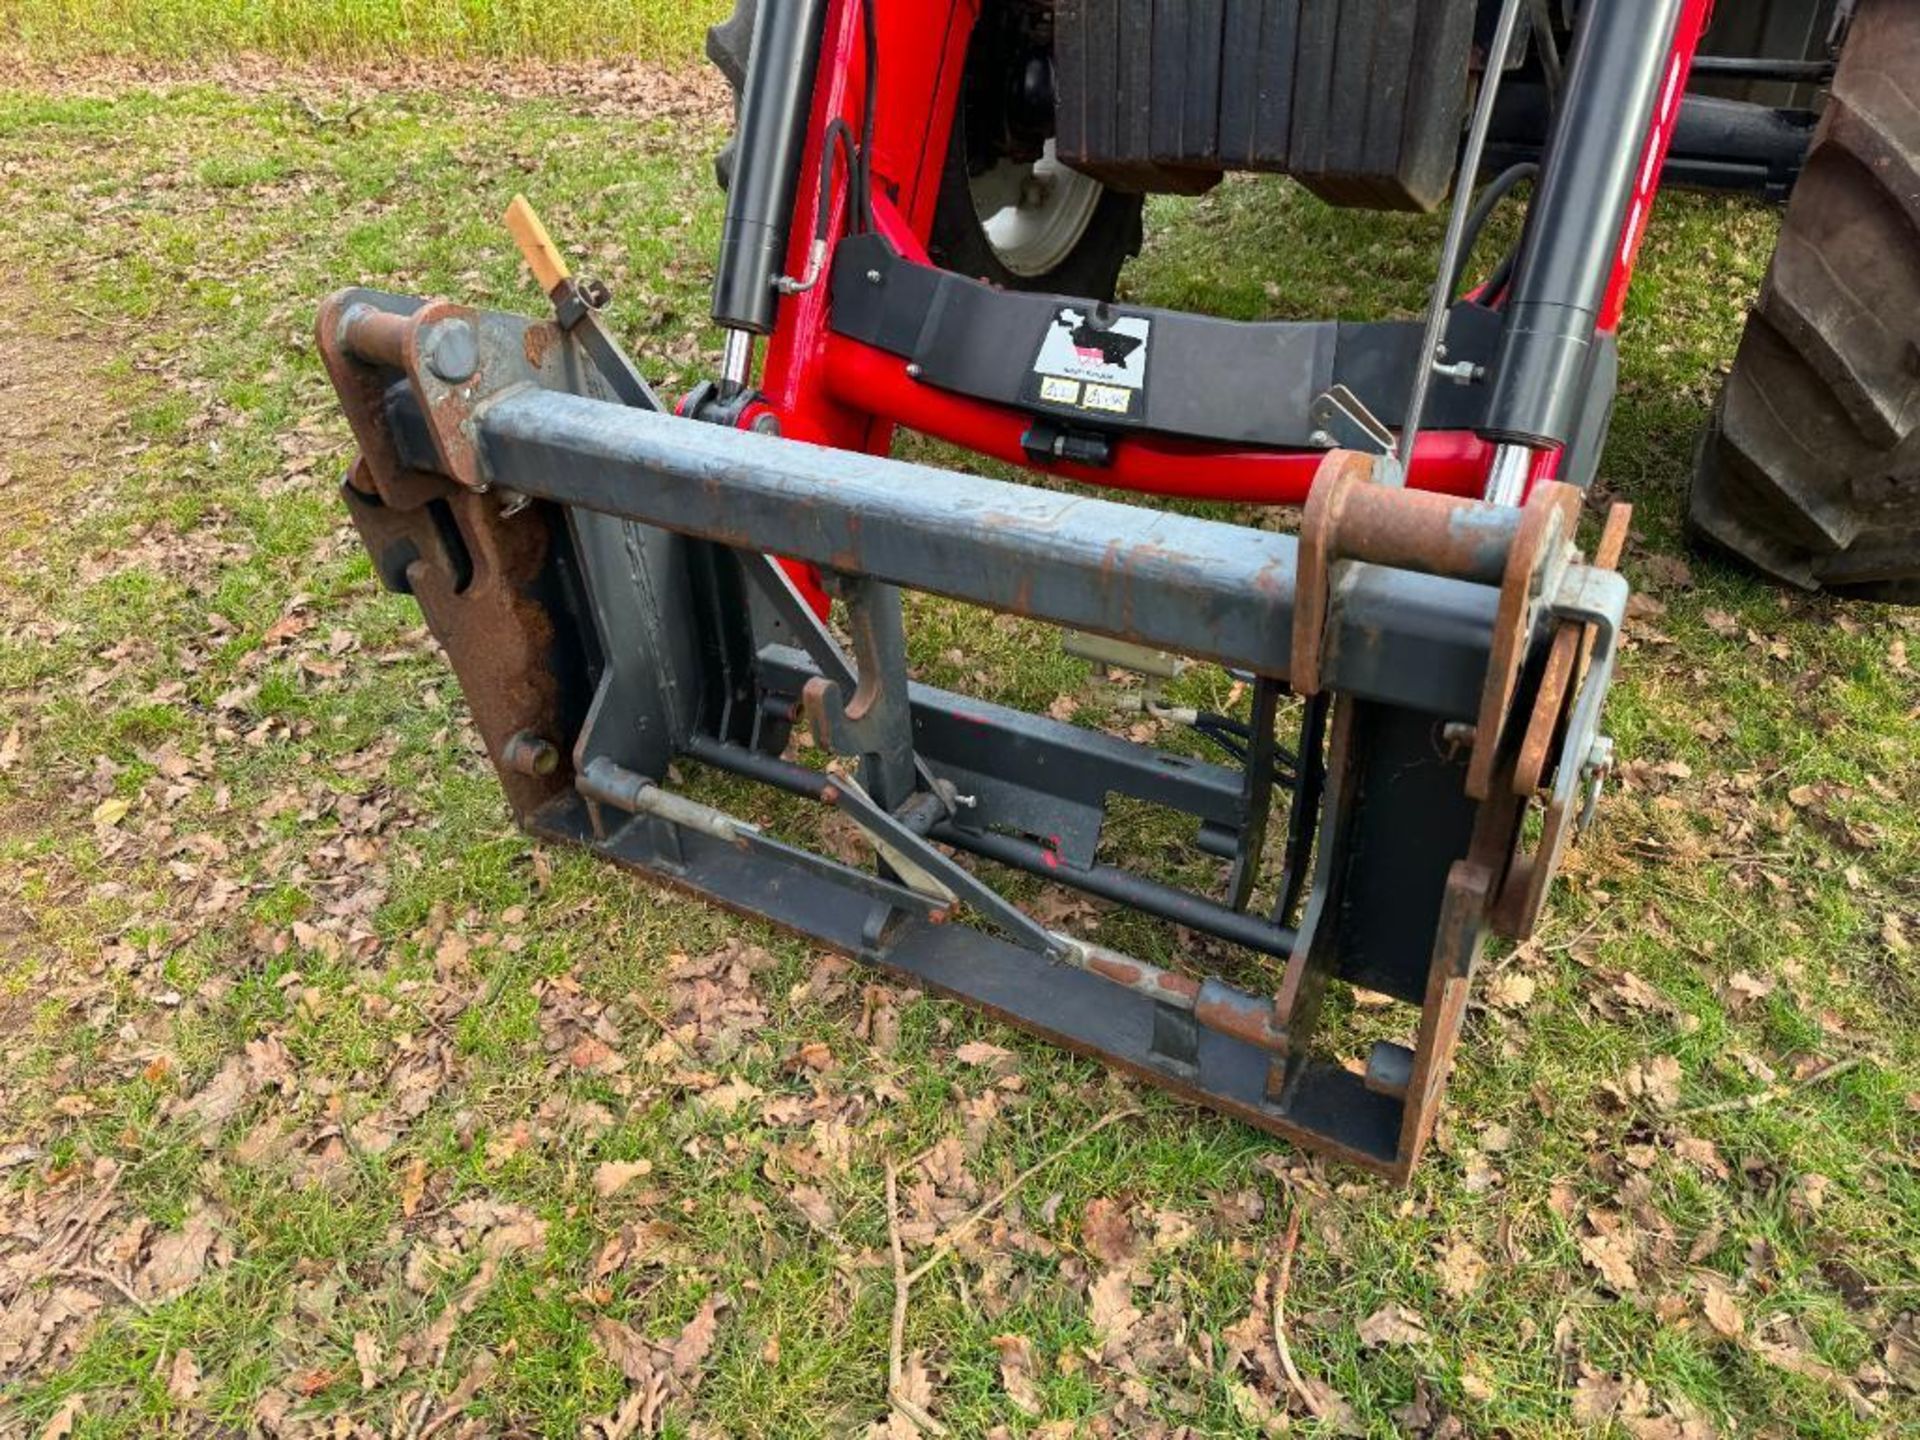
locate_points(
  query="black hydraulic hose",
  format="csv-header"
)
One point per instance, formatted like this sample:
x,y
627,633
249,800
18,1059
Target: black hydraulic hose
x,y
870,33
1494,286
838,141
1496,190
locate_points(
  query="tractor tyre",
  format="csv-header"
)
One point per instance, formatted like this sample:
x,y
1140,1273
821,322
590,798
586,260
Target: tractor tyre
x,y
1037,226
1810,468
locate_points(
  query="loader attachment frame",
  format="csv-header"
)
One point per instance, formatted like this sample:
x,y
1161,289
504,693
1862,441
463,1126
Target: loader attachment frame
x,y
598,573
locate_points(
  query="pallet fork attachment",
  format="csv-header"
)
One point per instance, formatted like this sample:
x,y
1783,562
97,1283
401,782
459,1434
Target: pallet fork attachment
x,y
596,571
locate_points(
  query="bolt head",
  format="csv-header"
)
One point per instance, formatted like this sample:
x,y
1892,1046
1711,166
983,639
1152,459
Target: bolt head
x,y
453,352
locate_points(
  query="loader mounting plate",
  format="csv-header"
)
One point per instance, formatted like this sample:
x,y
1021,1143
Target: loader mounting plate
x,y
598,574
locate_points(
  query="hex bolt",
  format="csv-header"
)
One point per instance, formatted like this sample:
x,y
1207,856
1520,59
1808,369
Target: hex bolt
x,y
873,277
530,754
913,370
1594,771
1599,756
453,352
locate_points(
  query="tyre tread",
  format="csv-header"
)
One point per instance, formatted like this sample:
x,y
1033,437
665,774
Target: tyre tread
x,y
1822,407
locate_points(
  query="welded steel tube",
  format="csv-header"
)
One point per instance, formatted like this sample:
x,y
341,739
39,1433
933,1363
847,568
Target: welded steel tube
x,y
1106,882
1197,587
1123,887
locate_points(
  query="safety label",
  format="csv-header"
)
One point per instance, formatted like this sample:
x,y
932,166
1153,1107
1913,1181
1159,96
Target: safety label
x,y
1095,366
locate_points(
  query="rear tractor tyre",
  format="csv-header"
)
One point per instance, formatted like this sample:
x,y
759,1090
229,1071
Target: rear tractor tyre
x,y
1810,469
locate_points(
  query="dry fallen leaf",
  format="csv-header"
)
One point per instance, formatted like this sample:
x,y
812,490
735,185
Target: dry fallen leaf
x,y
655,1366
1702,1154
1017,1372
1721,1309
728,1096
413,1186
625,1347
689,1349
366,1354
1743,988
1107,1231
1789,1348
110,812
812,1202
1902,1352
178,1258
1393,1324
183,1377
1461,1268
1511,991
1658,1080
592,1053
1111,1311
1610,1250
979,1052
916,1381
1599,1398
60,1425
610,1177
1808,1196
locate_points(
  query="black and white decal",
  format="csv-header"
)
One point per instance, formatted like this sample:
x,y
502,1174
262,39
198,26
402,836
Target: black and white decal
x,y
1092,365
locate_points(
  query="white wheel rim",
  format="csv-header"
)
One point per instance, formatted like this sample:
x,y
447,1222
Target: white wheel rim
x,y
1034,214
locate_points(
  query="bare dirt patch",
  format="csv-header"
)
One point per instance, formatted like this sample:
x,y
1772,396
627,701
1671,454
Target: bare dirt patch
x,y
56,417
626,89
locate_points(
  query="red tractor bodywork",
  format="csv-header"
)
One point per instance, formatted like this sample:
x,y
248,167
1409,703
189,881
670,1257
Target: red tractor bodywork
x,y
836,391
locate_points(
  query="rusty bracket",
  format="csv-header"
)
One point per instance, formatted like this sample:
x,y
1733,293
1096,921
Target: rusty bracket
x,y
1351,516
456,366
1541,551
1588,603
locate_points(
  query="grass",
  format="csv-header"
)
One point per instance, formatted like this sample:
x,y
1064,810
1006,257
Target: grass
x,y
244,807
339,30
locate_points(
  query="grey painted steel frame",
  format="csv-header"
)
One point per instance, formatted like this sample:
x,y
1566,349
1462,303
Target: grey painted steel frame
x,y
681,665
1200,588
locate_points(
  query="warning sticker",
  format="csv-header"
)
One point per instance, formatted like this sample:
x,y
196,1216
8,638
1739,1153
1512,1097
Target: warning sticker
x,y
1091,365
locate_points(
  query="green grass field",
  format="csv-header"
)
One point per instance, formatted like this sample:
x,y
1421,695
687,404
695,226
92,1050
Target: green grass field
x,y
334,1106
577,30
